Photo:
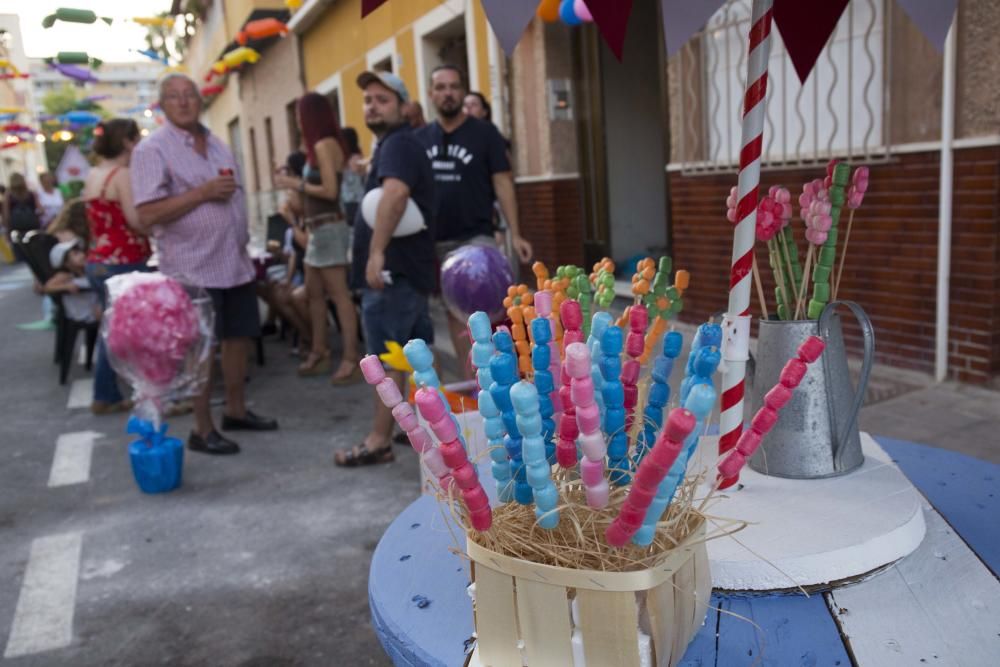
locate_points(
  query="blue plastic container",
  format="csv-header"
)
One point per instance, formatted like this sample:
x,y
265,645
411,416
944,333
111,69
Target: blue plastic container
x,y
157,461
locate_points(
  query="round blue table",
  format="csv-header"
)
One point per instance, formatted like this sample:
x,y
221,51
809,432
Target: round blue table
x,y
940,605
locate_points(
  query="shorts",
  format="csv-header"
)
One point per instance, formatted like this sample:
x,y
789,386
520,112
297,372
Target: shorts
x,y
328,245
397,313
236,312
278,272
442,248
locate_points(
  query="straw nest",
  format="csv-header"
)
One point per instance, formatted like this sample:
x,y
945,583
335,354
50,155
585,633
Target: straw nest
x,y
578,541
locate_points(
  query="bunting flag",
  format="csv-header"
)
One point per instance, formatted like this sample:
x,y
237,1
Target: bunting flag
x,y
683,18
611,17
509,18
368,6
933,18
805,27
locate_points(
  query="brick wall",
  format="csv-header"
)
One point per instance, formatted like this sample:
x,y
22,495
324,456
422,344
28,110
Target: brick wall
x,y
550,219
892,259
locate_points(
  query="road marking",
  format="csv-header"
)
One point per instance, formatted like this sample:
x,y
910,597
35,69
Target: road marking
x,y
81,392
43,619
81,357
71,463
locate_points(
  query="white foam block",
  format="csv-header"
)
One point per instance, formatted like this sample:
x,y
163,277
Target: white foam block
x,y
809,532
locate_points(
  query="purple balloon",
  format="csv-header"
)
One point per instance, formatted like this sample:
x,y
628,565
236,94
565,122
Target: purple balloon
x,y
475,278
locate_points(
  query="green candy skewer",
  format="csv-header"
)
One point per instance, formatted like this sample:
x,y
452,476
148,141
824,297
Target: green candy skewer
x,y
787,242
827,254
781,284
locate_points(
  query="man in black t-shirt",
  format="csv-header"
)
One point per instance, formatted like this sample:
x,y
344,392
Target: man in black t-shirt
x,y
395,274
471,172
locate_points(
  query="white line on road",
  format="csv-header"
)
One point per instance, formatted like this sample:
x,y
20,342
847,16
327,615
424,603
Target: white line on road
x,y
80,393
71,463
43,619
81,357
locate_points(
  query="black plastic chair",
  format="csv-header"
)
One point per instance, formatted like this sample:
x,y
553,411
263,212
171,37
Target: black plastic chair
x,y
35,247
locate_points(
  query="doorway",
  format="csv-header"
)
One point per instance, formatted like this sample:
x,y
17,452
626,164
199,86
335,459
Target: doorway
x,y
624,140
446,44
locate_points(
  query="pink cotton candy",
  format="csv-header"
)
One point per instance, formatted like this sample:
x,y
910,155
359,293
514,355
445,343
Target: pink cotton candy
x,y
597,495
465,476
481,520
543,303
571,315
641,495
445,481
638,319
152,328
680,423
434,461
445,429
568,430
566,451
733,199
588,418
764,420
665,453
778,396
593,446
475,498
631,515
578,360
419,439
731,217
635,344
582,393
650,474
630,372
372,369
749,442
616,535
429,404
815,237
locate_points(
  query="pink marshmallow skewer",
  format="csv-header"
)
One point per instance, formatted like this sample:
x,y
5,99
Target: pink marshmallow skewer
x,y
588,419
634,347
652,470
402,412
434,411
776,399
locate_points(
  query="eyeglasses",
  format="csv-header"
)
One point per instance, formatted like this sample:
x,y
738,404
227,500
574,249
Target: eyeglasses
x,y
177,97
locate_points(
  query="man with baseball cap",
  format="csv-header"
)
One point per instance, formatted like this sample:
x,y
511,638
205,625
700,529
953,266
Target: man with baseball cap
x,y
395,274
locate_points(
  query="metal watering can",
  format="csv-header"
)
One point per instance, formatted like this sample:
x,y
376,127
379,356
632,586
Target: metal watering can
x,y
817,433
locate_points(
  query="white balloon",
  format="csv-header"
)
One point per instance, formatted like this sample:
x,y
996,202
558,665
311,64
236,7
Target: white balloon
x,y
411,222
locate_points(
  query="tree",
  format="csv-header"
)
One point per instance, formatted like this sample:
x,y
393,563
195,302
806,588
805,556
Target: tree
x,y
58,102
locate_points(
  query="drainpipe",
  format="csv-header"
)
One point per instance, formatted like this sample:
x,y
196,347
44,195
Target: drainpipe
x,y
945,205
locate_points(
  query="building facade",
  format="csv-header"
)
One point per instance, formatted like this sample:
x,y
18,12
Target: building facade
x,y
123,89
27,157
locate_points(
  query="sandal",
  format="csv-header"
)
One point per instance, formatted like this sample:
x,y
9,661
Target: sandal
x,y
360,455
315,365
352,377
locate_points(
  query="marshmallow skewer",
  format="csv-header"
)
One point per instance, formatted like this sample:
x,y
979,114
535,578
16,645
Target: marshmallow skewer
x,y
650,475
566,452
776,399
599,324
614,403
435,412
541,334
402,412
699,403
524,397
482,352
503,368
543,310
659,393
588,419
635,344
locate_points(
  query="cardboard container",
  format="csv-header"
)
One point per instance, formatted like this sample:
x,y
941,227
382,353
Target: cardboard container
x,y
520,601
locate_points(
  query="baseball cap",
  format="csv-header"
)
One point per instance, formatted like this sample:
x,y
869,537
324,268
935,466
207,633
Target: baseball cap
x,y
58,253
387,79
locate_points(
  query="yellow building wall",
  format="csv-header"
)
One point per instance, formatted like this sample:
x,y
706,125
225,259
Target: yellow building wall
x,y
339,42
237,12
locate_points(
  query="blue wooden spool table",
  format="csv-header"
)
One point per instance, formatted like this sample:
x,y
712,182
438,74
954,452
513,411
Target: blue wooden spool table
x,y
940,605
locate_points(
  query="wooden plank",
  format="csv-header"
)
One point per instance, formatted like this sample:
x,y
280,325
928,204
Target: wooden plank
x,y
965,490
702,586
940,605
684,604
660,605
543,617
609,622
495,613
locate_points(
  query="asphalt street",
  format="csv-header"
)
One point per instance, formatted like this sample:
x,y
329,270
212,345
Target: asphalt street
x,y
259,559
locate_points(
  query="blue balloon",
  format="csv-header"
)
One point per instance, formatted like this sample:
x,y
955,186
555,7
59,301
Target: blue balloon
x,y
567,14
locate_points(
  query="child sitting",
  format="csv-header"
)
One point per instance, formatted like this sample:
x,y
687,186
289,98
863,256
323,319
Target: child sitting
x,y
79,301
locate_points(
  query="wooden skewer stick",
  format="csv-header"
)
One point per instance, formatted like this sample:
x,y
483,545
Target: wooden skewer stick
x,y
760,287
805,278
843,255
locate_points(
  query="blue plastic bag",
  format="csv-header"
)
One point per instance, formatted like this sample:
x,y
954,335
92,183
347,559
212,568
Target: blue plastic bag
x,y
157,461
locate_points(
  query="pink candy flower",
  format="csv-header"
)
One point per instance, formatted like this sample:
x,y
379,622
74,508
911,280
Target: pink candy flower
x,y
731,202
858,188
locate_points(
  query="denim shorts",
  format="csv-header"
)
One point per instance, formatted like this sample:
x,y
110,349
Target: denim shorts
x,y
397,313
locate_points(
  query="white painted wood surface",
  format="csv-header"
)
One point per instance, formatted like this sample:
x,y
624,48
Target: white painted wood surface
x,y
809,532
938,606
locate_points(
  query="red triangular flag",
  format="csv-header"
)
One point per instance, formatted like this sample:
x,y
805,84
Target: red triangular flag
x,y
611,17
805,27
368,6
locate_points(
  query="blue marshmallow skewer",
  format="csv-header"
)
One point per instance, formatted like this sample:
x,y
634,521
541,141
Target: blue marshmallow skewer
x,y
541,361
700,401
482,352
598,325
614,406
422,360
707,335
503,367
659,394
524,397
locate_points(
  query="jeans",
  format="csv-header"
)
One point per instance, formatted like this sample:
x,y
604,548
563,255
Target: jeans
x,y
105,380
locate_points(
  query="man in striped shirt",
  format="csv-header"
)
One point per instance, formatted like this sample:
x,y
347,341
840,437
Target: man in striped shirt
x,y
188,195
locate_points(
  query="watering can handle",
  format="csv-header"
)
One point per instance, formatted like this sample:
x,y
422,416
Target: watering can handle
x,y
842,433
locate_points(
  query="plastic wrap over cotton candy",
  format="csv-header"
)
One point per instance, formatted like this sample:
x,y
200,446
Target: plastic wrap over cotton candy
x,y
158,334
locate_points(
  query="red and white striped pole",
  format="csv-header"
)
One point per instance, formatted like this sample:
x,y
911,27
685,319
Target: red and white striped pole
x,y
738,314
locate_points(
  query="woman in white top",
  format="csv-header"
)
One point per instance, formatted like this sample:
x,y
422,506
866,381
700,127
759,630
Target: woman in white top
x,y
50,199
